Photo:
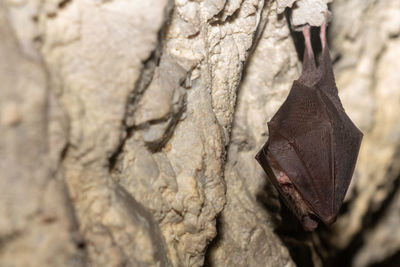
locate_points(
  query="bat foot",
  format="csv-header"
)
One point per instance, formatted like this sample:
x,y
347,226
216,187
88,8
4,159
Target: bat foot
x,y
283,179
285,183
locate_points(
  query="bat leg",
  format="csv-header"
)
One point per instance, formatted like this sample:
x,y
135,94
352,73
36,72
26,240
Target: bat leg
x,y
307,41
322,34
308,58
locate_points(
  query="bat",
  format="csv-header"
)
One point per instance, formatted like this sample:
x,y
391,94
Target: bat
x,y
313,145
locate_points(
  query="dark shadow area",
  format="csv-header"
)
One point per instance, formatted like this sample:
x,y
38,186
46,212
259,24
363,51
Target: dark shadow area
x,y
268,198
345,257
393,261
288,228
295,238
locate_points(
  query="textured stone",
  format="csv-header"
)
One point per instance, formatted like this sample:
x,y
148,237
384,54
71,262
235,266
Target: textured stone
x,y
128,131
369,91
95,53
309,12
36,216
246,229
381,242
303,12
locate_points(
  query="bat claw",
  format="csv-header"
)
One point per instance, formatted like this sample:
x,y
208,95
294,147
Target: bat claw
x,y
327,15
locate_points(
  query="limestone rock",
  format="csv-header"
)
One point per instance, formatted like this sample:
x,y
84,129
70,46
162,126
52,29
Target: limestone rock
x,y
246,229
128,131
366,43
36,217
303,12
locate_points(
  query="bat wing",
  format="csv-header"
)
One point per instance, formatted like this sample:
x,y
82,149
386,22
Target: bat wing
x,y
326,82
347,137
301,141
347,142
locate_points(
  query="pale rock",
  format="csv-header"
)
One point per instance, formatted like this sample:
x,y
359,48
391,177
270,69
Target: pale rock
x,y
129,130
368,87
245,227
309,12
37,220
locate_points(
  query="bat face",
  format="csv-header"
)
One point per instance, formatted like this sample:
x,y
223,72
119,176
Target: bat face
x,y
313,145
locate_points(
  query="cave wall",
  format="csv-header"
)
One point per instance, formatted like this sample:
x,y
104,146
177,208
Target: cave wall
x,y
128,131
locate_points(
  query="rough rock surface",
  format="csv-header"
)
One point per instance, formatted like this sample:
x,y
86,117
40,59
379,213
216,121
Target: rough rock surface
x,y
303,12
365,40
245,224
36,216
128,131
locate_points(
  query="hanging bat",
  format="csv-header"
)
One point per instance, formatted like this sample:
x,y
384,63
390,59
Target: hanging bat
x,y
313,145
